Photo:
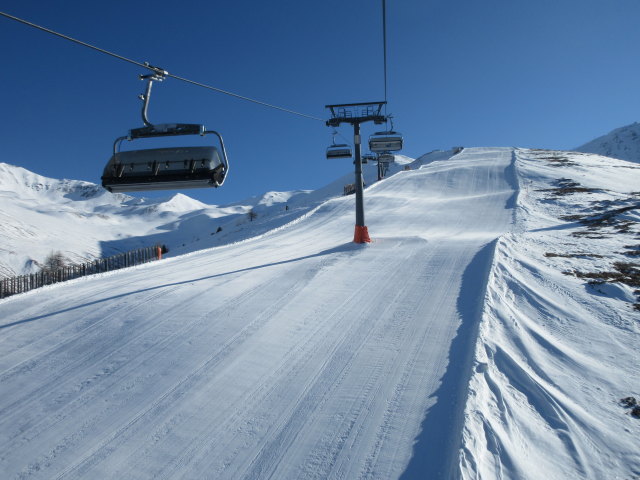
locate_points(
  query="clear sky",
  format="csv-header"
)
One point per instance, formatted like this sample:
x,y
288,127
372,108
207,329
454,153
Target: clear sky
x,y
545,73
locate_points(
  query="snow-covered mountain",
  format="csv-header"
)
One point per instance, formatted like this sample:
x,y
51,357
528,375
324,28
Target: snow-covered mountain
x,y
41,215
83,221
622,143
490,331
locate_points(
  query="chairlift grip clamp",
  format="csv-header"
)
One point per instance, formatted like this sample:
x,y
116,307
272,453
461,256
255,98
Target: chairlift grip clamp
x,y
158,75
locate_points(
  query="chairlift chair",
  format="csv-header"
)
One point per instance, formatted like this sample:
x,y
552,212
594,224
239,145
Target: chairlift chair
x,y
173,168
338,150
341,150
386,157
385,142
165,168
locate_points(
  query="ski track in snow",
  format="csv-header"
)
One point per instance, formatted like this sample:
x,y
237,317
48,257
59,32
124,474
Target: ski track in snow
x,y
292,355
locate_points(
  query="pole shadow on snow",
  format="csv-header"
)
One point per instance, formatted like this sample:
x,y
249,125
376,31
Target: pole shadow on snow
x,y
435,451
511,177
347,247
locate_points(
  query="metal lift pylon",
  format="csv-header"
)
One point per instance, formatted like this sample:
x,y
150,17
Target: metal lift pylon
x,y
355,114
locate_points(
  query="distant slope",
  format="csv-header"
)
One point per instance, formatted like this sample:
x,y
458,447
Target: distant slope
x,y
40,215
83,221
622,143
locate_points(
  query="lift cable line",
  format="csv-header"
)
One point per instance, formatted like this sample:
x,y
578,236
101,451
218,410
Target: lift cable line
x,y
384,50
241,97
158,70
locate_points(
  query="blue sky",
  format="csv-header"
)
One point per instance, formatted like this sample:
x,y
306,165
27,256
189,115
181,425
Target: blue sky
x,y
545,74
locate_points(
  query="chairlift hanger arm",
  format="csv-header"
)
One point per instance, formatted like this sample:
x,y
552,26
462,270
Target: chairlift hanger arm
x,y
151,130
145,101
225,159
158,75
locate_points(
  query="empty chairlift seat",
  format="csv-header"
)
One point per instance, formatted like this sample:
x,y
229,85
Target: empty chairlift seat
x,y
164,169
173,168
385,142
339,151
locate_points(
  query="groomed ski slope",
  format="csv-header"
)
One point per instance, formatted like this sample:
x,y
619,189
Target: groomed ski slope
x,y
296,354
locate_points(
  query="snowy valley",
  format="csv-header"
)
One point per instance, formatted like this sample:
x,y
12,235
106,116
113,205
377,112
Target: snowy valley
x,y
490,330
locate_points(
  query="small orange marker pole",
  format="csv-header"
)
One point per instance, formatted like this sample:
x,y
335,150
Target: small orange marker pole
x,y
361,235
159,251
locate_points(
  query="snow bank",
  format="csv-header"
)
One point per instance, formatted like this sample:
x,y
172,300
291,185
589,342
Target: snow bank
x,y
554,358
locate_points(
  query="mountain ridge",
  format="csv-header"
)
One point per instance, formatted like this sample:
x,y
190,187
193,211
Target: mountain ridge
x,y
622,143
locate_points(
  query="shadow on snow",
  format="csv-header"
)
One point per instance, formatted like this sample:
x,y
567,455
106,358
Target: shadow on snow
x,y
347,247
435,452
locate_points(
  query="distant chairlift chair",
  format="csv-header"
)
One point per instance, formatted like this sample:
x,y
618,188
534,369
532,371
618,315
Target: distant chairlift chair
x,y
385,142
339,151
165,168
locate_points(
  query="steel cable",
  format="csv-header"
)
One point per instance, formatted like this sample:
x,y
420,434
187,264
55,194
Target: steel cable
x,y
147,66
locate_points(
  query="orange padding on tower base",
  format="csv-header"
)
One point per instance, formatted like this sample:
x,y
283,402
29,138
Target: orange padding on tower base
x,y
361,235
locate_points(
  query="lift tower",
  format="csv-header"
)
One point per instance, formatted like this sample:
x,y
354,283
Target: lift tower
x,y
355,114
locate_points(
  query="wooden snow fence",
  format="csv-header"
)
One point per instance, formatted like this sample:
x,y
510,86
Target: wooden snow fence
x,y
24,283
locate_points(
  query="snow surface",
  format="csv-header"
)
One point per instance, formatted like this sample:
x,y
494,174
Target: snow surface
x,y
460,343
622,143
555,355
